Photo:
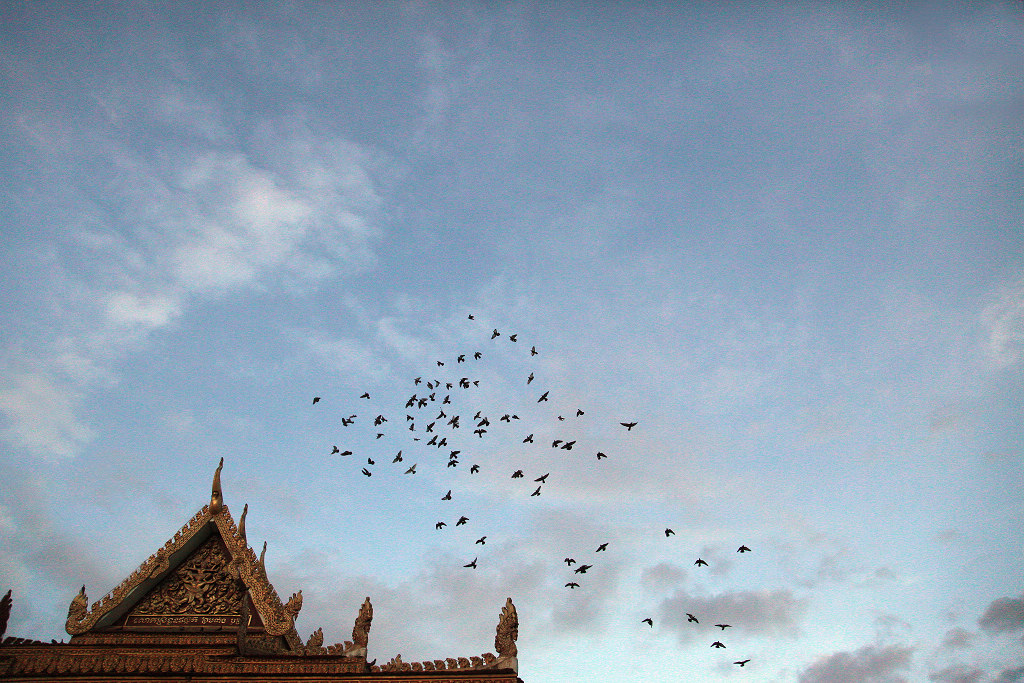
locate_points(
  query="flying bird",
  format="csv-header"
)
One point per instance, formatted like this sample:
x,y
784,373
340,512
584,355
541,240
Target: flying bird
x,y
471,565
512,337
462,520
481,540
536,493
365,395
700,562
690,617
648,621
578,412
477,355
447,496
717,643
543,397
723,626
669,532
603,546
743,549
572,584
542,478
440,525
316,399
471,317
582,569
742,662
567,446
398,458
556,443
346,453
366,472
628,425
517,474
335,450
411,470
528,439
474,469
601,455
533,350
530,378
495,334
569,561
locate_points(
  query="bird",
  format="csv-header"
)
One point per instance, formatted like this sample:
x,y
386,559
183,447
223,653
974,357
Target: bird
x,y
542,478
481,540
742,662
370,461
556,443
533,350
440,525
411,470
346,453
543,397
700,562
601,455
335,450
461,358
690,617
512,337
528,439
723,626
366,472
669,532
477,355
717,643
536,493
648,621
316,399
495,334
365,394
474,469
628,425
471,317
530,378
578,412
447,496
569,561
582,569
572,584
603,546
517,474
567,446
462,520
743,549
471,565
398,458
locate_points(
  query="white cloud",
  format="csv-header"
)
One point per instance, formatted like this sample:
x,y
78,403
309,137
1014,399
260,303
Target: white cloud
x,y
1003,321
42,415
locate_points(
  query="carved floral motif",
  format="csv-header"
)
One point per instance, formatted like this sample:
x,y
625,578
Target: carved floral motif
x,y
200,585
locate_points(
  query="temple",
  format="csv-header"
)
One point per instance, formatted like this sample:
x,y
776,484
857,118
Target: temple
x,y
203,609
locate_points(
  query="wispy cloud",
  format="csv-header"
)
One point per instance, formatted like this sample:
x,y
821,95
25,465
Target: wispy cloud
x,y
869,664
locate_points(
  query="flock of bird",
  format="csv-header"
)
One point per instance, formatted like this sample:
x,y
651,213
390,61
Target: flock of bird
x,y
422,427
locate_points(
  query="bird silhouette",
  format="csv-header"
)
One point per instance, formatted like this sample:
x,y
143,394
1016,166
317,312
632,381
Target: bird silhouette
x,y
542,478
567,446
700,562
335,450
474,469
481,540
601,455
533,350
603,546
530,378
556,443
370,461
572,584
471,317
398,458
582,569
512,337
495,334
411,470
346,453
316,399
365,394
447,496
543,397
477,355
536,493
517,474
440,525
462,520
669,532
690,617
743,549
569,561
366,472
528,439
648,621
578,412
471,565
628,425
723,626
717,643
742,662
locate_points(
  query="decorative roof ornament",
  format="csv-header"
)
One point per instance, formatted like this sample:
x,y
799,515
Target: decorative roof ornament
x,y
216,497
77,613
505,637
241,524
5,613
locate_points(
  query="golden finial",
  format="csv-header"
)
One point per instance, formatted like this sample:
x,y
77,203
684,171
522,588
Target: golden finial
x,y
216,498
241,524
263,556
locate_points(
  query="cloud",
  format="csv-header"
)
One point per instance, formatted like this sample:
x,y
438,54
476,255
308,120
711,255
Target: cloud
x,y
1003,321
958,639
1010,675
765,612
1004,615
957,673
41,414
869,664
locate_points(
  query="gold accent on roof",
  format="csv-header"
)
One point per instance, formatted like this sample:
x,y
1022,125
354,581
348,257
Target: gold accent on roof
x,y
241,523
216,497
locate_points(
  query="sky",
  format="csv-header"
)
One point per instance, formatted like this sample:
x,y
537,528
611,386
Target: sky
x,y
784,239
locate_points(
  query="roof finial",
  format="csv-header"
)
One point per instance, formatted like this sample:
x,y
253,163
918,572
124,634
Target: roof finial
x,y
216,499
241,524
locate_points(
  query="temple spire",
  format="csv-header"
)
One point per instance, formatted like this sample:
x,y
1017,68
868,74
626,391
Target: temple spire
x,y
216,498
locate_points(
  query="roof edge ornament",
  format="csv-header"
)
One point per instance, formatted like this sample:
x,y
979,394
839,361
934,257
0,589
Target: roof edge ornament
x,y
216,497
241,525
78,614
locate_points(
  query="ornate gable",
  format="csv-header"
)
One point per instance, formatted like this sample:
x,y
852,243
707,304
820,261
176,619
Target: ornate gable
x,y
200,580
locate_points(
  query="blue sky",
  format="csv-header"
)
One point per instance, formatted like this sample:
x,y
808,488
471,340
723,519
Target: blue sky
x,y
785,240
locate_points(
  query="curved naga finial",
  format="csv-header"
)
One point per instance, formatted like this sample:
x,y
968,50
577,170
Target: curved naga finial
x,y
505,638
216,497
241,524
361,631
77,613
5,612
